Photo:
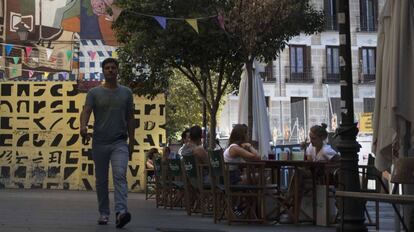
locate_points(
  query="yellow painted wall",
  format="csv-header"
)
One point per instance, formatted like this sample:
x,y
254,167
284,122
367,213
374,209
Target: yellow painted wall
x,y
40,146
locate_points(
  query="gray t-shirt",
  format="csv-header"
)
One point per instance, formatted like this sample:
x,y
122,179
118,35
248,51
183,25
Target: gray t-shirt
x,y
111,108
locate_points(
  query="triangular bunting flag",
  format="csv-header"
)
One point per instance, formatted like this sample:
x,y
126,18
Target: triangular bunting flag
x,y
162,21
35,59
14,72
115,54
64,75
220,19
46,74
193,23
16,59
48,53
92,54
69,54
28,51
8,49
31,72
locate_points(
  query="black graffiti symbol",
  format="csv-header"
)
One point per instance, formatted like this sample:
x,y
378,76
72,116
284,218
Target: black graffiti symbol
x,y
7,154
3,138
37,142
57,140
68,171
55,104
162,109
38,105
149,125
69,159
55,90
134,171
8,104
19,104
134,185
20,158
149,108
74,91
55,157
5,123
72,140
40,91
149,140
23,88
6,89
71,123
24,138
72,107
54,124
37,121
21,119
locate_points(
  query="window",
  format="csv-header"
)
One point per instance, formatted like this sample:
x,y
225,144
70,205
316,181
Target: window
x,y
369,104
94,42
334,112
101,54
331,15
368,58
332,64
267,75
300,70
91,64
368,15
298,113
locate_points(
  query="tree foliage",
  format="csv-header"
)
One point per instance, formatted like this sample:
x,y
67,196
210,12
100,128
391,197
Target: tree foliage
x,y
150,53
213,57
182,96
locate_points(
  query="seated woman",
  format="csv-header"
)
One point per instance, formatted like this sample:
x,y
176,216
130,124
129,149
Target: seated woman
x,y
318,149
239,150
149,164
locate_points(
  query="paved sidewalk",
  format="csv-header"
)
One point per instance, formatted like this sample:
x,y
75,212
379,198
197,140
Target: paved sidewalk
x,y
63,211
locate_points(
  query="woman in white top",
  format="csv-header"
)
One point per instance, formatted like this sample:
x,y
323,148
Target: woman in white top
x,y
318,150
239,150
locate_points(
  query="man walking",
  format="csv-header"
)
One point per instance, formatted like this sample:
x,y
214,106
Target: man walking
x,y
112,106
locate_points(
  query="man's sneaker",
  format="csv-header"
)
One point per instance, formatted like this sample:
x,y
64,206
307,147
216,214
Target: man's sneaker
x,y
122,219
103,220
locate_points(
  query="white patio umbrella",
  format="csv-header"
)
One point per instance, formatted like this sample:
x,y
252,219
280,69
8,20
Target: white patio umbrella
x,y
261,128
394,107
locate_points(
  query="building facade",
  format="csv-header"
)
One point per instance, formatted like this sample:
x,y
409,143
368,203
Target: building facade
x,y
302,86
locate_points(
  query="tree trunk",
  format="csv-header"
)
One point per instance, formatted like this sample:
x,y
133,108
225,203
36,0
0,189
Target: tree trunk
x,y
249,68
213,124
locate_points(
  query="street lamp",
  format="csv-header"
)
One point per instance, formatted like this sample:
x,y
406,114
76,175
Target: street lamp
x,y
22,31
345,139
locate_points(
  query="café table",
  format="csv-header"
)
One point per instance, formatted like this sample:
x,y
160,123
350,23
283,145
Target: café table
x,y
325,166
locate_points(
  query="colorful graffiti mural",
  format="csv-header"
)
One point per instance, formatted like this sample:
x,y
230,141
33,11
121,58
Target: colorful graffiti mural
x,y
40,146
55,40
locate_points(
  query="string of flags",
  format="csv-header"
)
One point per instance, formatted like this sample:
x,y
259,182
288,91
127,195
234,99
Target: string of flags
x,y
49,52
193,22
31,73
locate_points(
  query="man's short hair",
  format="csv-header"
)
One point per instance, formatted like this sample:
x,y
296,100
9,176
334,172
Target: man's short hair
x,y
195,133
184,134
109,60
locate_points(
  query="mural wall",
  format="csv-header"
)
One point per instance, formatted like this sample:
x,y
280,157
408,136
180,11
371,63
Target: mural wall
x,y
40,146
64,39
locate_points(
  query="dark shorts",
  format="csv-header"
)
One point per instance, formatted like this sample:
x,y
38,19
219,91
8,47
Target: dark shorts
x,y
235,177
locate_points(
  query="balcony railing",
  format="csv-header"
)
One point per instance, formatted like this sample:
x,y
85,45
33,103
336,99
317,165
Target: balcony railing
x,y
366,78
330,75
367,23
331,23
297,74
267,76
